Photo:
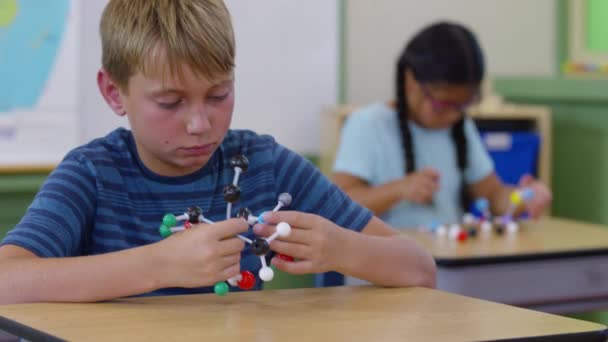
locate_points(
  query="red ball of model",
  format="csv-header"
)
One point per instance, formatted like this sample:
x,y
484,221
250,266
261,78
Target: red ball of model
x,y
462,236
247,281
286,257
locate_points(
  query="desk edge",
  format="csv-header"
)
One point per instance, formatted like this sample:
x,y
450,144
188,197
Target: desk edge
x,y
26,332
503,259
587,336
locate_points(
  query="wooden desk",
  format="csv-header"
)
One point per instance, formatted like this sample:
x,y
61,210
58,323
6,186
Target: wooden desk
x,y
322,314
552,265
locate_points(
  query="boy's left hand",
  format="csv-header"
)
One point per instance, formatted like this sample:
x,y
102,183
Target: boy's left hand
x,y
542,195
314,242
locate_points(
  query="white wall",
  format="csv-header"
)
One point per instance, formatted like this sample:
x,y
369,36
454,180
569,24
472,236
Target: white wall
x,y
287,55
286,69
96,117
518,37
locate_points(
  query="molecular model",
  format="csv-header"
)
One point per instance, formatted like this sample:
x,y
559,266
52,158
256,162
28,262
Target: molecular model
x,y
259,245
471,225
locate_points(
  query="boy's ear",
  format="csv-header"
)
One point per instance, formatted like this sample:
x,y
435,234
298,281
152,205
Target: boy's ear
x,y
110,92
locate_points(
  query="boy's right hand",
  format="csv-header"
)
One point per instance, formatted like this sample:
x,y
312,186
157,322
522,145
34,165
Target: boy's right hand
x,y
420,186
202,255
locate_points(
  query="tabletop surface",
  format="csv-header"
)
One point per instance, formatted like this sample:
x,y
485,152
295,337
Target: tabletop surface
x,y
359,313
546,237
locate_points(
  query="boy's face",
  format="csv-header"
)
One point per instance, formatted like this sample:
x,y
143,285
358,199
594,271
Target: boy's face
x,y
177,123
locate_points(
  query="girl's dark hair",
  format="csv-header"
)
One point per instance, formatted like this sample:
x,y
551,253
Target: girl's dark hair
x,y
443,52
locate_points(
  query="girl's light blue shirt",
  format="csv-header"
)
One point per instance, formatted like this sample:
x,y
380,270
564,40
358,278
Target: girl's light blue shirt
x,y
370,148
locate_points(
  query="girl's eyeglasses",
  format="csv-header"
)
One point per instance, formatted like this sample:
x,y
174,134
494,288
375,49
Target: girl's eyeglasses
x,y
443,106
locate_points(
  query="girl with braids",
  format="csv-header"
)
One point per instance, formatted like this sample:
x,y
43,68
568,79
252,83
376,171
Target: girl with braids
x,y
419,159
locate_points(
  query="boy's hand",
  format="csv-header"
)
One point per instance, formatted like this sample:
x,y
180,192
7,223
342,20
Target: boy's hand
x,y
542,195
420,186
314,242
202,255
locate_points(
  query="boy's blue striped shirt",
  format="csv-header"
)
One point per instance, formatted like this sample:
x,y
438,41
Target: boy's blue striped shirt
x,y
101,198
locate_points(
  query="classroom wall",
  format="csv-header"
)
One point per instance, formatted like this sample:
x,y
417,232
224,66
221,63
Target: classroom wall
x,y
96,117
518,37
287,67
288,57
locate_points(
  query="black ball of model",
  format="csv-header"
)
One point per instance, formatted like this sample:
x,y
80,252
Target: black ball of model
x,y
243,213
472,232
194,214
500,229
239,161
259,246
232,193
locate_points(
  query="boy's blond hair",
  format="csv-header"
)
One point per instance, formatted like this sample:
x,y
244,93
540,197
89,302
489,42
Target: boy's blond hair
x,y
152,35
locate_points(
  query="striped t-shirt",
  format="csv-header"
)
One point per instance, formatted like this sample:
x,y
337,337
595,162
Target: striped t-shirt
x,y
101,198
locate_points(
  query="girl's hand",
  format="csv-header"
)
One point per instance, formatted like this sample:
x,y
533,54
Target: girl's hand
x,y
542,195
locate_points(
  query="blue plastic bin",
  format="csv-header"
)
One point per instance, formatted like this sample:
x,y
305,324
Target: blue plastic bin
x,y
514,153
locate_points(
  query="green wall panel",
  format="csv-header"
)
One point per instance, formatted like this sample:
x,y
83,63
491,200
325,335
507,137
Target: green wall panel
x,y
580,147
580,141
16,194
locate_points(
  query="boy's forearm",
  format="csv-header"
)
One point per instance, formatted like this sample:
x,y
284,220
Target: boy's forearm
x,y
79,279
388,261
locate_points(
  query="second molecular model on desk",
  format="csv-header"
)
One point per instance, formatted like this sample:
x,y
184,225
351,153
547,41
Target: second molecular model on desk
x,y
471,225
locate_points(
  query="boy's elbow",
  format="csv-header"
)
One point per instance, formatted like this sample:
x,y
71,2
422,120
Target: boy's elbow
x,y
424,276
429,275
